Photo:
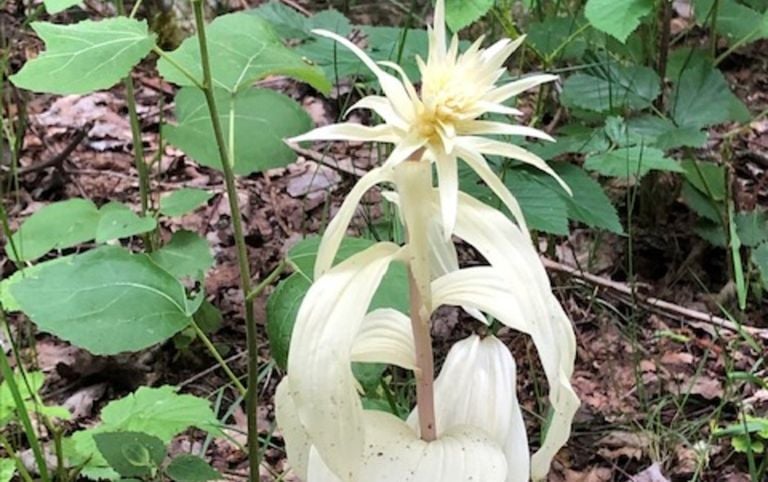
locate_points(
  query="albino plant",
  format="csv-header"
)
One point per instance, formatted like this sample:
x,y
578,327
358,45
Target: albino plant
x,y
467,424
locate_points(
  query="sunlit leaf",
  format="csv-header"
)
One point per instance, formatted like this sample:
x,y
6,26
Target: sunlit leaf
x,y
618,18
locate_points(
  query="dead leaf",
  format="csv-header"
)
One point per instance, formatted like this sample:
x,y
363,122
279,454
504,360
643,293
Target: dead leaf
x,y
623,444
651,474
597,474
80,403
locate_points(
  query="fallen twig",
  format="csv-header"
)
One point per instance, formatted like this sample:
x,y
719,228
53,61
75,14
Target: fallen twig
x,y
655,304
60,157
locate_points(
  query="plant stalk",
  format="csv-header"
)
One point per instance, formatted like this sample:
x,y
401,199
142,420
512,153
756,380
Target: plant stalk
x,y
242,253
425,372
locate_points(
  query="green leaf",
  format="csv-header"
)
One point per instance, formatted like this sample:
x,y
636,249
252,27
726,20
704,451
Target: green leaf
x,y
702,204
744,444
6,297
56,6
658,132
701,96
189,468
160,412
107,301
85,56
183,201
760,259
707,177
131,454
262,120
283,304
736,22
634,161
544,209
558,34
461,13
187,254
118,221
245,49
7,469
286,21
58,225
618,18
589,203
612,87
752,227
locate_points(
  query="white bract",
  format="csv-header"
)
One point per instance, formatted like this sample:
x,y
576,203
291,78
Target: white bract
x,y
480,431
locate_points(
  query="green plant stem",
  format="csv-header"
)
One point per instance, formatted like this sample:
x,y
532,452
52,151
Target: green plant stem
x,y
21,410
12,454
713,27
219,359
267,281
183,70
242,254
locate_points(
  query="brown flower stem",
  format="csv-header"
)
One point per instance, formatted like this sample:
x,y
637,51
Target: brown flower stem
x,y
425,372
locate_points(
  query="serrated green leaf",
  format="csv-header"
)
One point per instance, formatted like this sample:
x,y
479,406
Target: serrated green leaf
x,y
183,201
611,88
246,49
58,225
131,454
752,227
160,412
107,301
189,468
56,6
86,56
634,161
618,18
701,204
118,221
186,254
736,22
558,34
760,259
262,120
544,209
653,131
707,177
589,203
7,469
461,13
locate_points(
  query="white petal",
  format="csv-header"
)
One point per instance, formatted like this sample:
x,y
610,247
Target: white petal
x,y
496,108
385,337
448,182
391,87
296,440
404,78
403,150
497,148
348,131
394,453
499,52
322,384
478,163
337,228
437,37
486,372
500,128
381,106
507,91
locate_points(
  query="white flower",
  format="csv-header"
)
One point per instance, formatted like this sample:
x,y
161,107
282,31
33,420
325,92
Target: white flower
x,y
442,122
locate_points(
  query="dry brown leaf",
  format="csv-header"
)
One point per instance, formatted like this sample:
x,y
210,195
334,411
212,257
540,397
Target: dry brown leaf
x,y
651,474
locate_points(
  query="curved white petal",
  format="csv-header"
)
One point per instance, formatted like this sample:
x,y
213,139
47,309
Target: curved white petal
x,y
437,33
391,87
405,79
403,150
448,182
296,440
322,384
485,372
337,228
385,337
499,52
496,108
349,132
497,148
507,91
381,106
394,453
500,128
478,163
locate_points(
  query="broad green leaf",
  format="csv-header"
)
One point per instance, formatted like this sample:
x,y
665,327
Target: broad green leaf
x,y
707,177
752,227
558,35
131,454
286,21
86,56
579,141
702,204
107,301
190,468
611,88
118,221
262,119
7,469
618,18
245,49
544,209
654,131
56,6
744,444
461,13
183,201
589,203
736,22
186,254
283,304
701,96
159,412
760,259
29,389
58,225
6,297
631,162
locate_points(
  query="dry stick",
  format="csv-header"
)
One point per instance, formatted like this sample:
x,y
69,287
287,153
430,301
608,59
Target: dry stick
x,y
61,156
665,307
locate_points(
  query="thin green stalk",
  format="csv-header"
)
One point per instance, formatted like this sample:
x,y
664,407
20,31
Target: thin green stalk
x,y
242,254
21,410
12,454
219,359
267,281
713,27
183,70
